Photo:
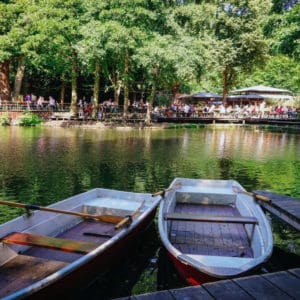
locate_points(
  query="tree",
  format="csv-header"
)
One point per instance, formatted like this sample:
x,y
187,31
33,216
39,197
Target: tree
x,y
240,42
284,29
130,24
10,32
274,73
62,21
164,67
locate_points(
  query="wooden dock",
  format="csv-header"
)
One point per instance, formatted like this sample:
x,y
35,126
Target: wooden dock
x,y
231,120
284,207
279,285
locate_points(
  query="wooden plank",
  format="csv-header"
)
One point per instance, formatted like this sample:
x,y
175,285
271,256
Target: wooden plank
x,y
220,239
166,295
27,239
75,233
251,287
191,293
284,207
23,270
282,214
226,289
260,288
208,218
286,282
295,272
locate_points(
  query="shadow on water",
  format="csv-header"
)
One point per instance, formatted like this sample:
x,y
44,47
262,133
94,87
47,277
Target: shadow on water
x,y
123,278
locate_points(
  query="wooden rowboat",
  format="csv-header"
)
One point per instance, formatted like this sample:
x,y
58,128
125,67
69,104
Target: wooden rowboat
x,y
51,254
213,229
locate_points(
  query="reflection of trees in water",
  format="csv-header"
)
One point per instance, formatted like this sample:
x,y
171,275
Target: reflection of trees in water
x,y
49,164
258,144
225,167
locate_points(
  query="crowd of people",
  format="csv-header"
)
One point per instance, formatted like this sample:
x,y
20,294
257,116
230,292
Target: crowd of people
x,y
180,109
40,103
86,107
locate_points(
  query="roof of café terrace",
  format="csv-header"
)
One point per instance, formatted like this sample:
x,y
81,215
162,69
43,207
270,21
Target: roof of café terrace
x,y
266,92
207,95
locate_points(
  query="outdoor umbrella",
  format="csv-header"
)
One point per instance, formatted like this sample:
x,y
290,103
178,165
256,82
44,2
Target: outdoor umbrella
x,y
206,96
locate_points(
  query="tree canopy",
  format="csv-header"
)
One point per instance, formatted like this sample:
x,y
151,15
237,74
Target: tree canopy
x,y
130,49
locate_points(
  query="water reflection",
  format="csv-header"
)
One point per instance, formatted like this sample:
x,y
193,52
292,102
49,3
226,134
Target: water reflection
x,y
56,162
44,165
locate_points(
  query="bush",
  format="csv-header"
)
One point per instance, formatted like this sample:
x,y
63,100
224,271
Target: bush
x,y
4,119
29,119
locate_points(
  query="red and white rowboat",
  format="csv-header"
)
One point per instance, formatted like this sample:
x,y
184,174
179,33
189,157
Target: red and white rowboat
x,y
213,229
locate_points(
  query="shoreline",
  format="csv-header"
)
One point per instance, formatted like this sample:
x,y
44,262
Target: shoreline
x,y
91,124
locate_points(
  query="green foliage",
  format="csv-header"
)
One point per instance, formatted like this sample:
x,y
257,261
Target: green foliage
x,y
286,32
274,73
241,45
163,99
29,119
199,45
4,119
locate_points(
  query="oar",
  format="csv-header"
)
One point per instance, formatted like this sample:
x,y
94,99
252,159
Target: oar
x,y
104,218
163,192
127,220
254,195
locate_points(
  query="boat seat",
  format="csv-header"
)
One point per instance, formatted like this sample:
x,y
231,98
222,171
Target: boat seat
x,y
28,239
208,218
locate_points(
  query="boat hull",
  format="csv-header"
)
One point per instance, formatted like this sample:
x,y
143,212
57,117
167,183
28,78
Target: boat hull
x,y
59,255
194,277
191,275
78,280
211,232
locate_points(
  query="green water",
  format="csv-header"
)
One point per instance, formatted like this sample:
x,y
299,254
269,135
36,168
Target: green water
x,y
43,165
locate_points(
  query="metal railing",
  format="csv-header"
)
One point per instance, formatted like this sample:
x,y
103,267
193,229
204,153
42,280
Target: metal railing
x,y
117,112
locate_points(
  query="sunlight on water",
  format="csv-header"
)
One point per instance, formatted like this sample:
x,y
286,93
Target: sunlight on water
x,y
44,165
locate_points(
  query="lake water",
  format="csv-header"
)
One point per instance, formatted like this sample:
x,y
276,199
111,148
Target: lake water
x,y
43,165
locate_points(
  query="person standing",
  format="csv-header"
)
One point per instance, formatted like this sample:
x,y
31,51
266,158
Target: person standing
x,y
52,103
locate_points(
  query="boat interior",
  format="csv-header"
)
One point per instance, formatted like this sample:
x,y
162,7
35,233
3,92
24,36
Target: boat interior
x,y
41,244
211,224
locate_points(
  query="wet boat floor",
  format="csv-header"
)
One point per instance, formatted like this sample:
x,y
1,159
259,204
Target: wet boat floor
x,y
37,263
205,238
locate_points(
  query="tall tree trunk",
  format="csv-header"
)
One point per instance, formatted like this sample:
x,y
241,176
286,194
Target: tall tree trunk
x,y
228,81
19,77
115,80
126,85
117,91
5,91
74,75
63,89
150,103
225,85
96,88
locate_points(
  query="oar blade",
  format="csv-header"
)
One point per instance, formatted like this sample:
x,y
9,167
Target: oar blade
x,y
109,218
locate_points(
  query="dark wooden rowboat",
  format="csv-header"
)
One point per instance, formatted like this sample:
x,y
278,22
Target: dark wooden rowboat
x,y
213,229
47,254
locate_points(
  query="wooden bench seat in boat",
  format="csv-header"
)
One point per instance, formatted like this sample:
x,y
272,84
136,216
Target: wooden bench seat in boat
x,y
28,239
208,218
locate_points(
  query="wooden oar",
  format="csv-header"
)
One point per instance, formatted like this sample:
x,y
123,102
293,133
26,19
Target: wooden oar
x,y
163,192
255,196
127,220
103,218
